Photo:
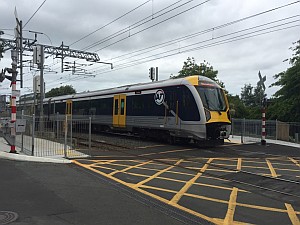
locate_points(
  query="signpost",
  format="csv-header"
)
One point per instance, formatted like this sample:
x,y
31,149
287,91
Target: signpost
x,y
261,83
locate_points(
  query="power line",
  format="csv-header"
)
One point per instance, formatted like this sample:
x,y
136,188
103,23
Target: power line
x,y
139,23
208,30
34,13
212,44
216,43
191,35
142,22
185,48
110,22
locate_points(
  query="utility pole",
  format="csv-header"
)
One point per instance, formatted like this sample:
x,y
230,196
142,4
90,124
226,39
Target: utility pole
x,y
19,44
14,57
261,86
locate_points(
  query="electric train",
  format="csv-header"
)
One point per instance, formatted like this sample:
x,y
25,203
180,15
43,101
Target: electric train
x,y
193,108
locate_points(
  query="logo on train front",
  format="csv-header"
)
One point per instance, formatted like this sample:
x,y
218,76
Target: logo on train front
x,y
159,97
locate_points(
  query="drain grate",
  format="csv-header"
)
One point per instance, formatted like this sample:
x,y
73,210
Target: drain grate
x,y
7,217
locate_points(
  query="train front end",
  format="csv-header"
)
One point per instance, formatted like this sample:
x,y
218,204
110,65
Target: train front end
x,y
216,109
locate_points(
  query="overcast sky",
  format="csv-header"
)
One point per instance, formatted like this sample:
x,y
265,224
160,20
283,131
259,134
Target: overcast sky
x,y
138,34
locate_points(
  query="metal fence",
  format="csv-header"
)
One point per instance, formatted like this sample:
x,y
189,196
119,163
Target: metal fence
x,y
275,130
56,137
62,136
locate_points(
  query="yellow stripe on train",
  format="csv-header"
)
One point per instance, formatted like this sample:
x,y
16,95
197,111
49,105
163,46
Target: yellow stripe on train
x,y
218,117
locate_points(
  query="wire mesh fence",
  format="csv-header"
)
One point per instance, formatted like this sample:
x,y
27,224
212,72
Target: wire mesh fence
x,y
62,136
275,130
59,136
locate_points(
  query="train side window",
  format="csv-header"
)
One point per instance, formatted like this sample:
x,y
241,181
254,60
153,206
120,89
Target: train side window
x,y
122,106
116,106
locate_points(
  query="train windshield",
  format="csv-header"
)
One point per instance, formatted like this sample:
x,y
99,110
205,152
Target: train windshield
x,y
212,97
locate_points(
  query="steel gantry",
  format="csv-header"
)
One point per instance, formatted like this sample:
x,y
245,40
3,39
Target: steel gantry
x,y
60,52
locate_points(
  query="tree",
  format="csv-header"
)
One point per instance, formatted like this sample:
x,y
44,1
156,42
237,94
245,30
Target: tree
x,y
190,67
247,95
63,90
237,107
286,102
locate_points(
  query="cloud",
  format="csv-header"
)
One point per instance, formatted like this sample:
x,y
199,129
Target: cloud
x,y
238,62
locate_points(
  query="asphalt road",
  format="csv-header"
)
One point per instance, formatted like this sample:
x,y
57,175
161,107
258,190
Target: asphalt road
x,y
61,194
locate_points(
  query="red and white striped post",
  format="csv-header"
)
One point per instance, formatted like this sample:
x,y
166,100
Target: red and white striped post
x,y
263,123
13,100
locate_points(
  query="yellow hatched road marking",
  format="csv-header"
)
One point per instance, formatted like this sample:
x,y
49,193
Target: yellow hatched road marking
x,y
180,207
231,207
166,152
185,188
292,214
156,174
102,162
273,173
239,164
150,146
137,175
294,161
129,168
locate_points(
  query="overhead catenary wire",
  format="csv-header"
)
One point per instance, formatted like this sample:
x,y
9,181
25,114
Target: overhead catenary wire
x,y
216,43
181,47
190,47
208,30
118,18
155,47
143,22
240,37
139,23
34,13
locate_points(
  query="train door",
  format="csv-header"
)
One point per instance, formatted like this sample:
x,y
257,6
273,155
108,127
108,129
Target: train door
x,y
119,111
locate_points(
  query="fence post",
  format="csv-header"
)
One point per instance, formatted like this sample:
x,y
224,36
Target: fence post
x,y
276,129
243,130
90,135
263,126
22,134
66,136
32,135
232,123
57,126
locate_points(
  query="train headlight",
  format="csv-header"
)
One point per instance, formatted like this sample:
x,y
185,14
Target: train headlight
x,y
207,114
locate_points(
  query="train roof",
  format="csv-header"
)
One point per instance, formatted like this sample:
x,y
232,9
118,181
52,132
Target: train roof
x,y
191,80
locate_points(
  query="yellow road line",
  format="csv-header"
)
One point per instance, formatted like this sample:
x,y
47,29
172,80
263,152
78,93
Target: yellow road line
x,y
292,214
166,152
231,207
222,170
129,168
102,162
102,167
239,164
181,207
102,173
156,174
273,172
186,187
294,161
158,189
291,170
149,146
290,211
137,174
